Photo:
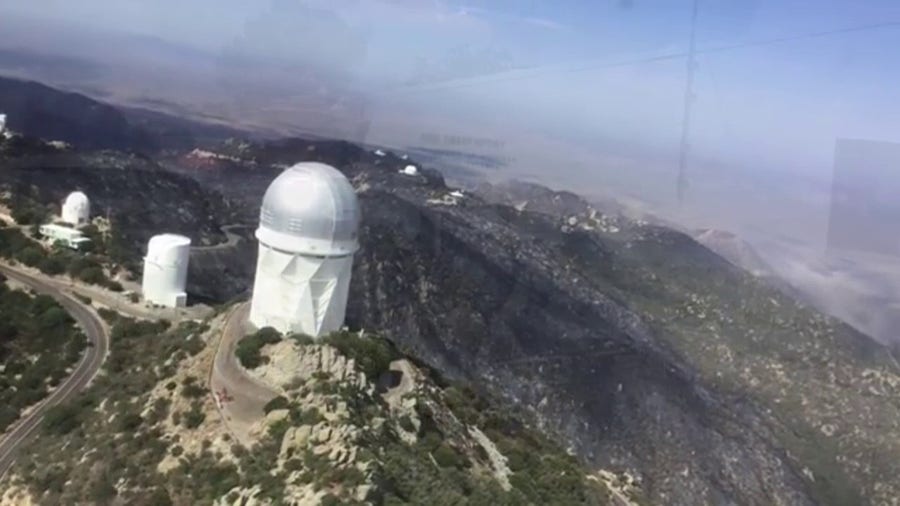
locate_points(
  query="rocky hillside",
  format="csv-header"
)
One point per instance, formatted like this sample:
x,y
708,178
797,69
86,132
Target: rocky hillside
x,y
640,348
137,197
357,423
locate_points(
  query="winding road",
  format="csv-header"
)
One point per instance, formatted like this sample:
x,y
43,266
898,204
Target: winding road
x,y
231,239
84,372
241,397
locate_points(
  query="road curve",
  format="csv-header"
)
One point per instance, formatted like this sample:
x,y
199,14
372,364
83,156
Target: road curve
x,y
231,239
84,372
242,397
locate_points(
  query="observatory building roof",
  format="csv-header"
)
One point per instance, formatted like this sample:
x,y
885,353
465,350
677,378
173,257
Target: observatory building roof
x,y
76,198
310,208
163,241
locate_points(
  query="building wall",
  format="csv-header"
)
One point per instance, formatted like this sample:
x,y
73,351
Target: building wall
x,y
300,294
165,275
55,232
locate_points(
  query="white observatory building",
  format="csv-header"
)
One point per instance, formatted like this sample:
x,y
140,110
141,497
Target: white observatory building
x,y
307,237
76,209
165,270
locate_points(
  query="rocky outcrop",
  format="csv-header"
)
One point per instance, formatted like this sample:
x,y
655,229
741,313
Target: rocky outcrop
x,y
333,420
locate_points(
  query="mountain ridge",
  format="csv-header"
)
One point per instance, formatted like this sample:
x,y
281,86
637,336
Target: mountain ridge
x,y
639,348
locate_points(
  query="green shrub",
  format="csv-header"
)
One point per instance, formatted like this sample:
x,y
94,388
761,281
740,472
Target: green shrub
x,y
293,465
193,417
308,416
249,348
52,266
373,355
192,391
278,428
31,256
302,339
330,500
63,418
93,275
129,422
279,402
446,456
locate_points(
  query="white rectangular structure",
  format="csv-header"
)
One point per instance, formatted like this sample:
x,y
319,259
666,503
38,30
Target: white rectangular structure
x,y
165,270
294,293
69,237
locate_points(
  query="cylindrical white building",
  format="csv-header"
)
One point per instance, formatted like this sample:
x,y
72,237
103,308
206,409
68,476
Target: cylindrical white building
x,y
307,235
76,209
165,270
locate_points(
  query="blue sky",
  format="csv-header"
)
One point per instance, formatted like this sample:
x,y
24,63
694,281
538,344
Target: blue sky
x,y
544,64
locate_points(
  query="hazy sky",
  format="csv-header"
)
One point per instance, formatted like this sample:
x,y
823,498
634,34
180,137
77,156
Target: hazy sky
x,y
602,72
583,94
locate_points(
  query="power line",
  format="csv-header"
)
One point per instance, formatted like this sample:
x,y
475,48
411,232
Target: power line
x,y
688,102
652,59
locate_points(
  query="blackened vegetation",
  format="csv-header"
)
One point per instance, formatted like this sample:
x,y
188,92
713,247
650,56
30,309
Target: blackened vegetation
x,y
634,344
139,198
509,302
562,319
40,111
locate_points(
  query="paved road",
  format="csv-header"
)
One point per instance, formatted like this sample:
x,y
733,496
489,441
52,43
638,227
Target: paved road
x,y
84,372
243,396
230,239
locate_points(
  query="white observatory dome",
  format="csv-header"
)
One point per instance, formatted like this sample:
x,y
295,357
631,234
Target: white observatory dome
x,y
76,209
307,236
310,208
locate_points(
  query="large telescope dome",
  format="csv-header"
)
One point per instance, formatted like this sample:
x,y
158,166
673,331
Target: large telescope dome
x,y
312,209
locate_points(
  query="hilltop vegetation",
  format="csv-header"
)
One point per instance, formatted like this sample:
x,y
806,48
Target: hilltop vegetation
x,y
146,432
88,267
109,433
39,343
343,440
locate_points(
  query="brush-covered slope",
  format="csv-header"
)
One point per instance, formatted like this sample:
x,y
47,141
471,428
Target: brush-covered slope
x,y
639,347
357,423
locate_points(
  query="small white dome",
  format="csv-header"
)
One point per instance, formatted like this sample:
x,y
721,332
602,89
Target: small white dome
x,y
310,208
77,199
76,209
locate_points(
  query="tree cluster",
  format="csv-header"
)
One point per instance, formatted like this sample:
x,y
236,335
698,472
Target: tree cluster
x,y
39,341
